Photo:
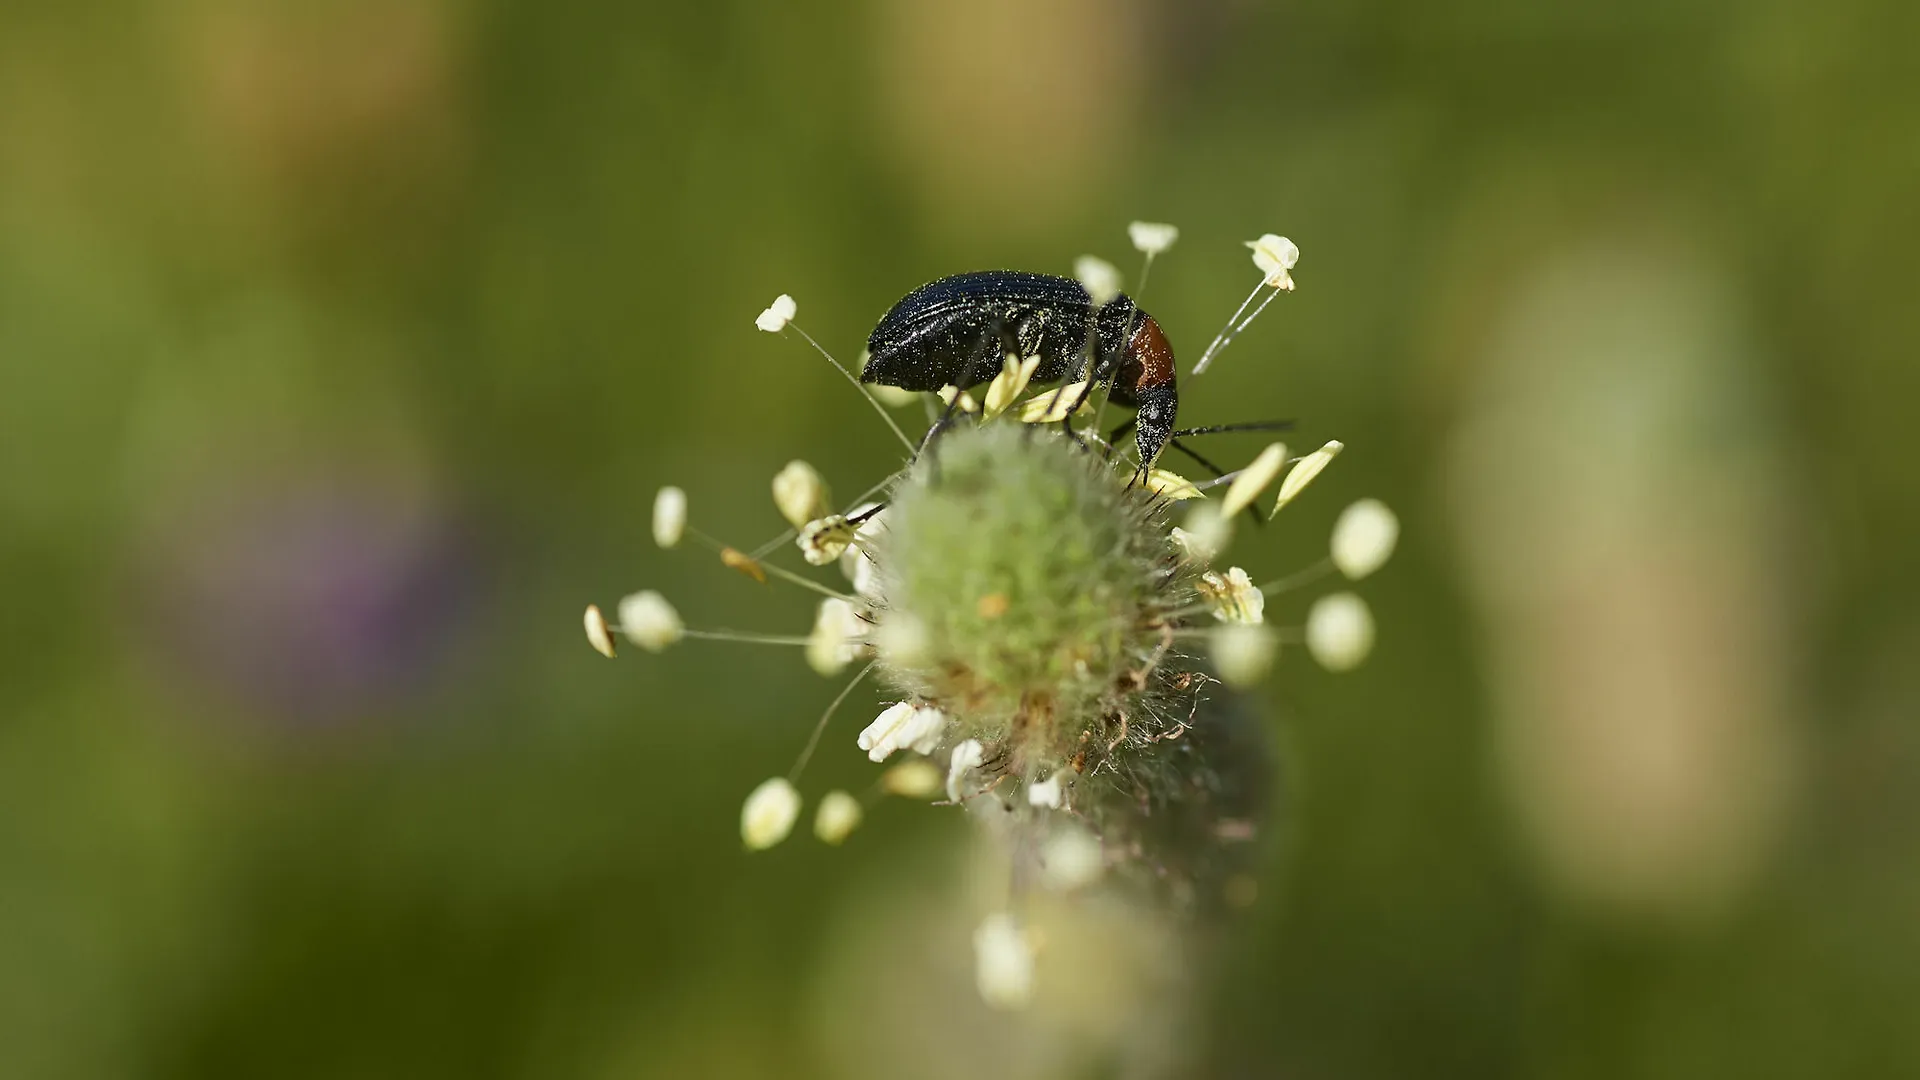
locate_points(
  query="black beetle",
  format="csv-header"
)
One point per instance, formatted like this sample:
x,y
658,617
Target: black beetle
x,y
954,332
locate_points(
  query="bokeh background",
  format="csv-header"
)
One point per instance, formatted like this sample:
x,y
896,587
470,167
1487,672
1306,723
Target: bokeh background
x,y
342,346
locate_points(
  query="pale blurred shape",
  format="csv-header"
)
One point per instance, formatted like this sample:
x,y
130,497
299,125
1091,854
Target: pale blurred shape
x,y
1101,278
1003,962
1363,538
1254,479
769,813
1242,653
839,814
1340,631
1004,114
800,494
1618,500
895,995
649,621
1152,237
669,516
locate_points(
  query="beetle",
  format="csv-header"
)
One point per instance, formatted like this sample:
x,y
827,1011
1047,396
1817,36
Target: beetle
x,y
955,331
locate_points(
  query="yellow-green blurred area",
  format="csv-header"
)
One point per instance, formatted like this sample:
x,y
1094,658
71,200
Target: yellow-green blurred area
x,y
343,346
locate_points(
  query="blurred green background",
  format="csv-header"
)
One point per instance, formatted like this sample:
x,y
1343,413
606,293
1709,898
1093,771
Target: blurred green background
x,y
343,345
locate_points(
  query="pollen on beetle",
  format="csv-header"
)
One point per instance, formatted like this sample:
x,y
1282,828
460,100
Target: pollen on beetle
x,y
669,516
649,621
1152,238
778,314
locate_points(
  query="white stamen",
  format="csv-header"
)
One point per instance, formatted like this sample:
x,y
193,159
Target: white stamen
x,y
1071,859
915,779
1233,596
965,758
1254,479
1206,534
1003,962
1340,631
1101,279
823,540
1242,653
1304,472
904,726
669,516
1275,256
800,493
1152,238
1363,538
836,637
1046,792
839,814
769,813
649,621
778,314
598,633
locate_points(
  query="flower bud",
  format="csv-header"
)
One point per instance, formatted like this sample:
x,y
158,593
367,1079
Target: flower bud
x,y
669,516
1363,538
649,621
1340,631
768,814
800,494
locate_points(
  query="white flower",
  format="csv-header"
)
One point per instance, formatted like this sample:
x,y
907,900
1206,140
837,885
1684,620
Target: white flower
x,y
778,314
839,814
768,814
598,634
1206,534
1303,473
835,640
800,494
1339,631
965,758
1046,792
1363,538
1233,596
1275,255
824,539
904,726
1003,962
1254,479
1242,652
649,621
1006,386
1071,859
1152,238
914,779
1102,281
669,516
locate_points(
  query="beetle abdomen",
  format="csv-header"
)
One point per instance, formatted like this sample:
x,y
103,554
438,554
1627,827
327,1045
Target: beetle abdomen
x,y
943,332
